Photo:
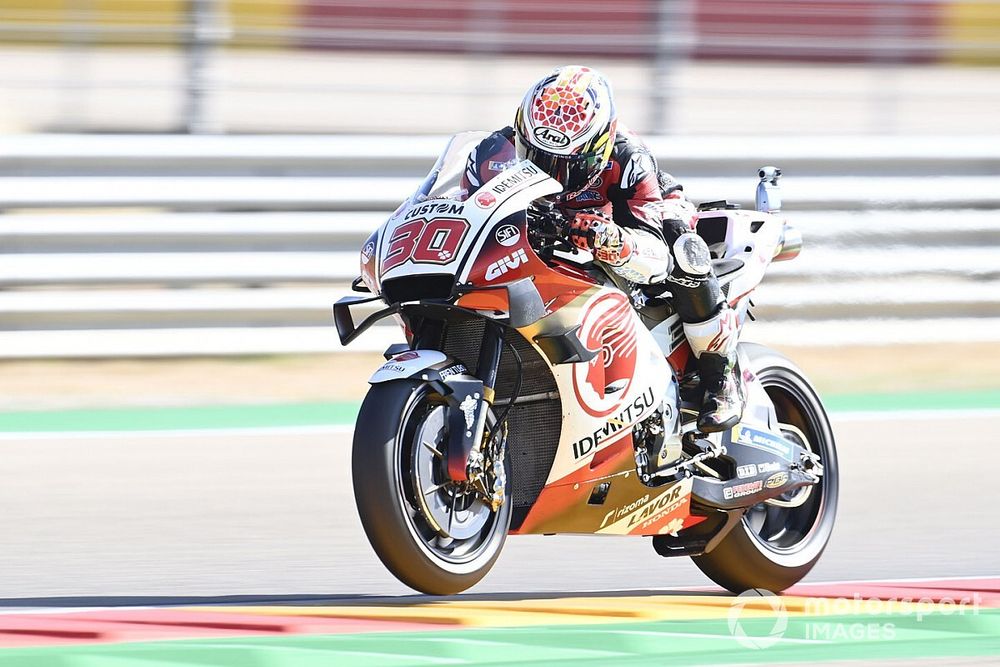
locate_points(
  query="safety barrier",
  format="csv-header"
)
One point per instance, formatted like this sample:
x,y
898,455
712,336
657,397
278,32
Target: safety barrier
x,y
231,262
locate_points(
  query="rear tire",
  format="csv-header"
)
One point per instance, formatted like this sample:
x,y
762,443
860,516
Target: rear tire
x,y
750,557
396,526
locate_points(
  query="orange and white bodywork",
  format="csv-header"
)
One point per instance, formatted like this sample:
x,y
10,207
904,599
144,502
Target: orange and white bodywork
x,y
482,241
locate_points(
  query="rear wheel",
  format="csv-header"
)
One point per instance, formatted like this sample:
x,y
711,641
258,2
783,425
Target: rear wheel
x,y
778,542
433,534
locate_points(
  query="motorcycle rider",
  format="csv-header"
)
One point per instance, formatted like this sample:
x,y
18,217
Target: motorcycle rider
x,y
633,218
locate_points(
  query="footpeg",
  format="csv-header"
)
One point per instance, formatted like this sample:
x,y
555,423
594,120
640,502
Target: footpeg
x,y
706,450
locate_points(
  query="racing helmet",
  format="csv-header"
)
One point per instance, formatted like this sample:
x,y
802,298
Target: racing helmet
x,y
566,125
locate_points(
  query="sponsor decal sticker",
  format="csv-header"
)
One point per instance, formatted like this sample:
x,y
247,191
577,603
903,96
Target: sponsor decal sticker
x,y
638,166
740,490
505,264
367,252
500,166
776,480
468,408
485,199
452,370
674,526
628,416
754,469
685,282
522,175
763,440
588,195
551,137
648,511
618,513
607,327
435,209
397,363
508,235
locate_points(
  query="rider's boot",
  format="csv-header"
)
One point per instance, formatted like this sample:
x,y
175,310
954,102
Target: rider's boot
x,y
714,344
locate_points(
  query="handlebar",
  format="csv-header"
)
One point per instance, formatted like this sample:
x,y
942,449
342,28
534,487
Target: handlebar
x,y
548,229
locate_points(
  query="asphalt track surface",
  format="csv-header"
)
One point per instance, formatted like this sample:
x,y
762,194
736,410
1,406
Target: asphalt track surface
x,y
200,518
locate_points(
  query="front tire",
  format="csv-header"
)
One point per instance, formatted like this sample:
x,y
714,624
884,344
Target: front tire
x,y
397,425
775,547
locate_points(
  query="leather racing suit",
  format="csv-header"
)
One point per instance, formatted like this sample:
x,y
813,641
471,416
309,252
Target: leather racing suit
x,y
650,204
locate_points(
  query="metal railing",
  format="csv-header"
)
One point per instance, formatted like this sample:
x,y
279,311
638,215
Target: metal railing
x,y
233,262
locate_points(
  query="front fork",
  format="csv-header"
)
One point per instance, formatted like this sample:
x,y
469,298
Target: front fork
x,y
469,400
489,359
488,368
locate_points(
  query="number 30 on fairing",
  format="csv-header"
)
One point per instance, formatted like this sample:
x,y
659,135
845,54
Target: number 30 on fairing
x,y
425,242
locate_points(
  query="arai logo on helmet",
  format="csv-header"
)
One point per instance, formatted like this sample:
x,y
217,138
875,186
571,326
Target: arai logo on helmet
x,y
508,235
550,137
485,199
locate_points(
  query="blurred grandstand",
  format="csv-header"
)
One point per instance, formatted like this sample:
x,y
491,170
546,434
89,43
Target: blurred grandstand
x,y
680,66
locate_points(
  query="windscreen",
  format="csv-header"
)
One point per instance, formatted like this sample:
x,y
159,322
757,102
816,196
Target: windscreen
x,y
445,179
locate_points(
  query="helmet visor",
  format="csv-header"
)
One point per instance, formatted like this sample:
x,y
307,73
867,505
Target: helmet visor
x,y
574,172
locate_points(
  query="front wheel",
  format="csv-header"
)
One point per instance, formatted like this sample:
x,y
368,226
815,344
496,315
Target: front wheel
x,y
777,544
434,535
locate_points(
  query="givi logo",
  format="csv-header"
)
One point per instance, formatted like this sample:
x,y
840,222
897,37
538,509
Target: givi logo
x,y
505,264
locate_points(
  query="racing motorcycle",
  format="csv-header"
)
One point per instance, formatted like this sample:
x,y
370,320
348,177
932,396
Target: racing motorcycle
x,y
537,393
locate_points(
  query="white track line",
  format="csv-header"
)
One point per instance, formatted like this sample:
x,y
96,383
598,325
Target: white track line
x,y
263,431
838,582
668,634
346,429
914,415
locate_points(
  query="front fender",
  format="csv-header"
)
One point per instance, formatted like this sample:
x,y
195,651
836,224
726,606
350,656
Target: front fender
x,y
463,393
413,364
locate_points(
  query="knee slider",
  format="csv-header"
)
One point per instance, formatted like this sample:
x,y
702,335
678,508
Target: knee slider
x,y
692,255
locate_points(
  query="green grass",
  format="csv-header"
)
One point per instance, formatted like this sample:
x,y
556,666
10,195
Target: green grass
x,y
343,413
678,642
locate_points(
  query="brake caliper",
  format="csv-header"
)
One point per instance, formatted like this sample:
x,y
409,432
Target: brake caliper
x,y
499,471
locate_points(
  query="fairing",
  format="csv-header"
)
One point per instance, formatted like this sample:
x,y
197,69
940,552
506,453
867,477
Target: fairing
x,y
481,243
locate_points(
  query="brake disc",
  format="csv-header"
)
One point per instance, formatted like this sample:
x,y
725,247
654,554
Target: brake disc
x,y
450,509
799,496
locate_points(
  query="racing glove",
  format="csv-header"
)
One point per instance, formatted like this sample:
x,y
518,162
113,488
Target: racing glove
x,y
610,243
633,254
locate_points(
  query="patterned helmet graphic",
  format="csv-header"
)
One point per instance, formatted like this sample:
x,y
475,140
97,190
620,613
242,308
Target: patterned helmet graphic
x,y
566,125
